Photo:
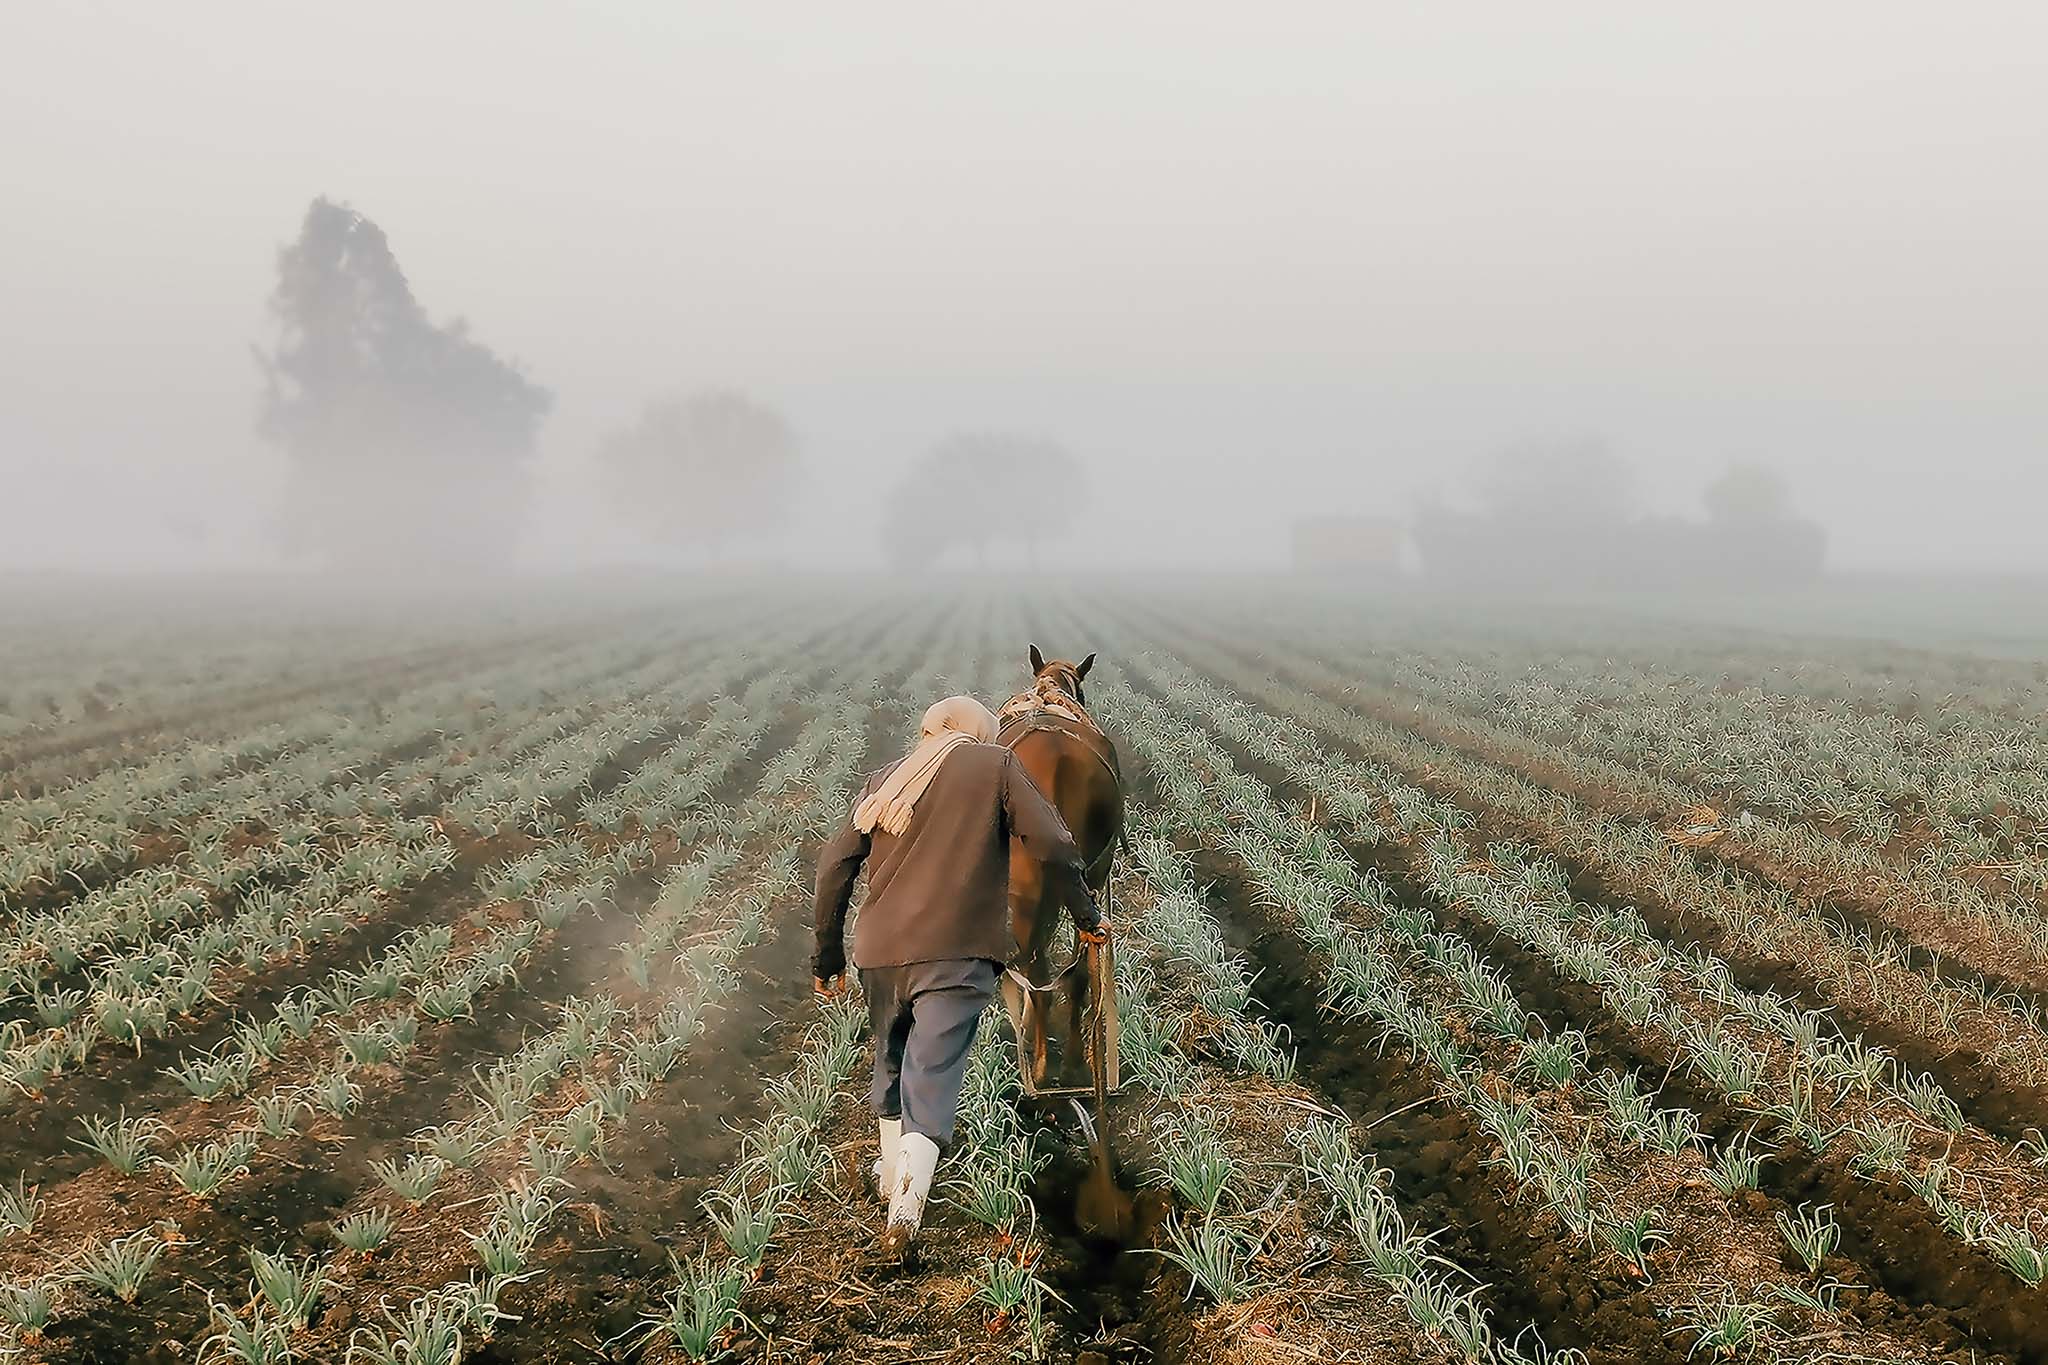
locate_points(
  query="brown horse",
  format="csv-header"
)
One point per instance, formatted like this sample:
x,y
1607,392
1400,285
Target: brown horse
x,y
1075,765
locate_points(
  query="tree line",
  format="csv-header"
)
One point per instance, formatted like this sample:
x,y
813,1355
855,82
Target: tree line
x,y
1560,516
410,444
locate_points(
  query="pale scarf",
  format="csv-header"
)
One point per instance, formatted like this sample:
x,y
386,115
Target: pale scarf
x,y
947,725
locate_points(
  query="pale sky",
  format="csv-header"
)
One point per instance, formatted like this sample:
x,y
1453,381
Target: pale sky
x,y
1246,260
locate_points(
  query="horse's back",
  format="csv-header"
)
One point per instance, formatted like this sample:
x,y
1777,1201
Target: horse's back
x,y
1078,773
1076,770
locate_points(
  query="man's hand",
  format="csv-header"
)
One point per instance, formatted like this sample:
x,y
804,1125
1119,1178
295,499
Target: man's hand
x,y
825,987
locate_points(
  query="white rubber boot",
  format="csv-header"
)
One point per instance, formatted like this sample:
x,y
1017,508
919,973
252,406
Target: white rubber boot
x,y
917,1156
885,1164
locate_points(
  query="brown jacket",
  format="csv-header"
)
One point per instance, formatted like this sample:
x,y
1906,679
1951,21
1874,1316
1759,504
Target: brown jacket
x,y
941,888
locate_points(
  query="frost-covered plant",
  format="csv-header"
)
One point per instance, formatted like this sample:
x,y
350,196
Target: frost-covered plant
x,y
334,1092
259,1341
412,1178
1813,1234
203,1168
122,1141
365,1231
120,1266
289,1287
1216,1253
746,1220
277,1114
19,1206
1728,1328
461,1145
2016,1250
1192,1158
27,1306
428,1332
698,1310
1553,1061
1737,1165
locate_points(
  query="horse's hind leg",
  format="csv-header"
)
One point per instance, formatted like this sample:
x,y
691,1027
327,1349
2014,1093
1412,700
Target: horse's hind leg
x,y
1037,1059
1014,1002
1027,1022
1028,1012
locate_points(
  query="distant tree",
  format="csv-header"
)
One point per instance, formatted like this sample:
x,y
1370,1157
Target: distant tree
x,y
702,471
407,442
1753,532
980,487
1560,517
1747,495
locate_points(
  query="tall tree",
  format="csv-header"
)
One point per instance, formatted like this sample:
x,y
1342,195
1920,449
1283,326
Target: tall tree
x,y
702,471
1753,532
407,441
976,488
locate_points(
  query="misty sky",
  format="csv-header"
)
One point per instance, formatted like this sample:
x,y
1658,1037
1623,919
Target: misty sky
x,y
1244,259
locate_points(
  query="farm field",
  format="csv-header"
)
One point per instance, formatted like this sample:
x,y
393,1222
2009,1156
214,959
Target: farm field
x,y
1556,986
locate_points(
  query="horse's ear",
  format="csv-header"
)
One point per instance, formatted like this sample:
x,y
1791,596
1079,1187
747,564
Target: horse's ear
x,y
1037,660
1086,664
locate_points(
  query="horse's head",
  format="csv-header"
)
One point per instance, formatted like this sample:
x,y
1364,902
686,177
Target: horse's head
x,y
1062,675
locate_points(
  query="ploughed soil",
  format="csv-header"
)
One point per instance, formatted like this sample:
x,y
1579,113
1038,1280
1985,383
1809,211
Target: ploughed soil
x,y
824,1296
286,1201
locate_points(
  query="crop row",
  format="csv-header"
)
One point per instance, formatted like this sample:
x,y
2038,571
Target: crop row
x,y
221,1072
310,797
202,792
705,927
1203,1152
1941,893
550,885
511,1094
1621,1175
1940,1014
1819,1053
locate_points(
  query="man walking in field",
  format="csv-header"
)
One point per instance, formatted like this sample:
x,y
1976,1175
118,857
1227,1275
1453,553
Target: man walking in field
x,y
933,935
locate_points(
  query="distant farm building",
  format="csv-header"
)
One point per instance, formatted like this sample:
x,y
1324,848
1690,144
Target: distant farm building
x,y
1352,547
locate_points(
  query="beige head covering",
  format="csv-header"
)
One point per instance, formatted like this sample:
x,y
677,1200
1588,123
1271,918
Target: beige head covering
x,y
947,725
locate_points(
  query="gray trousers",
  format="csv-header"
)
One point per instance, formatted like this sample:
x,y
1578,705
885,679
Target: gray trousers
x,y
923,1018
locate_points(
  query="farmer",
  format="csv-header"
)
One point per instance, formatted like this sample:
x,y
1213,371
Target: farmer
x,y
934,932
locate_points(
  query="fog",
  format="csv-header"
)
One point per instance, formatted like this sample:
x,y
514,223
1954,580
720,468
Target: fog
x,y
1235,264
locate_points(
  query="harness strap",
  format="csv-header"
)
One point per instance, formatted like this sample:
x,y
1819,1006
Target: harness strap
x,y
1014,734
1045,695
1024,981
